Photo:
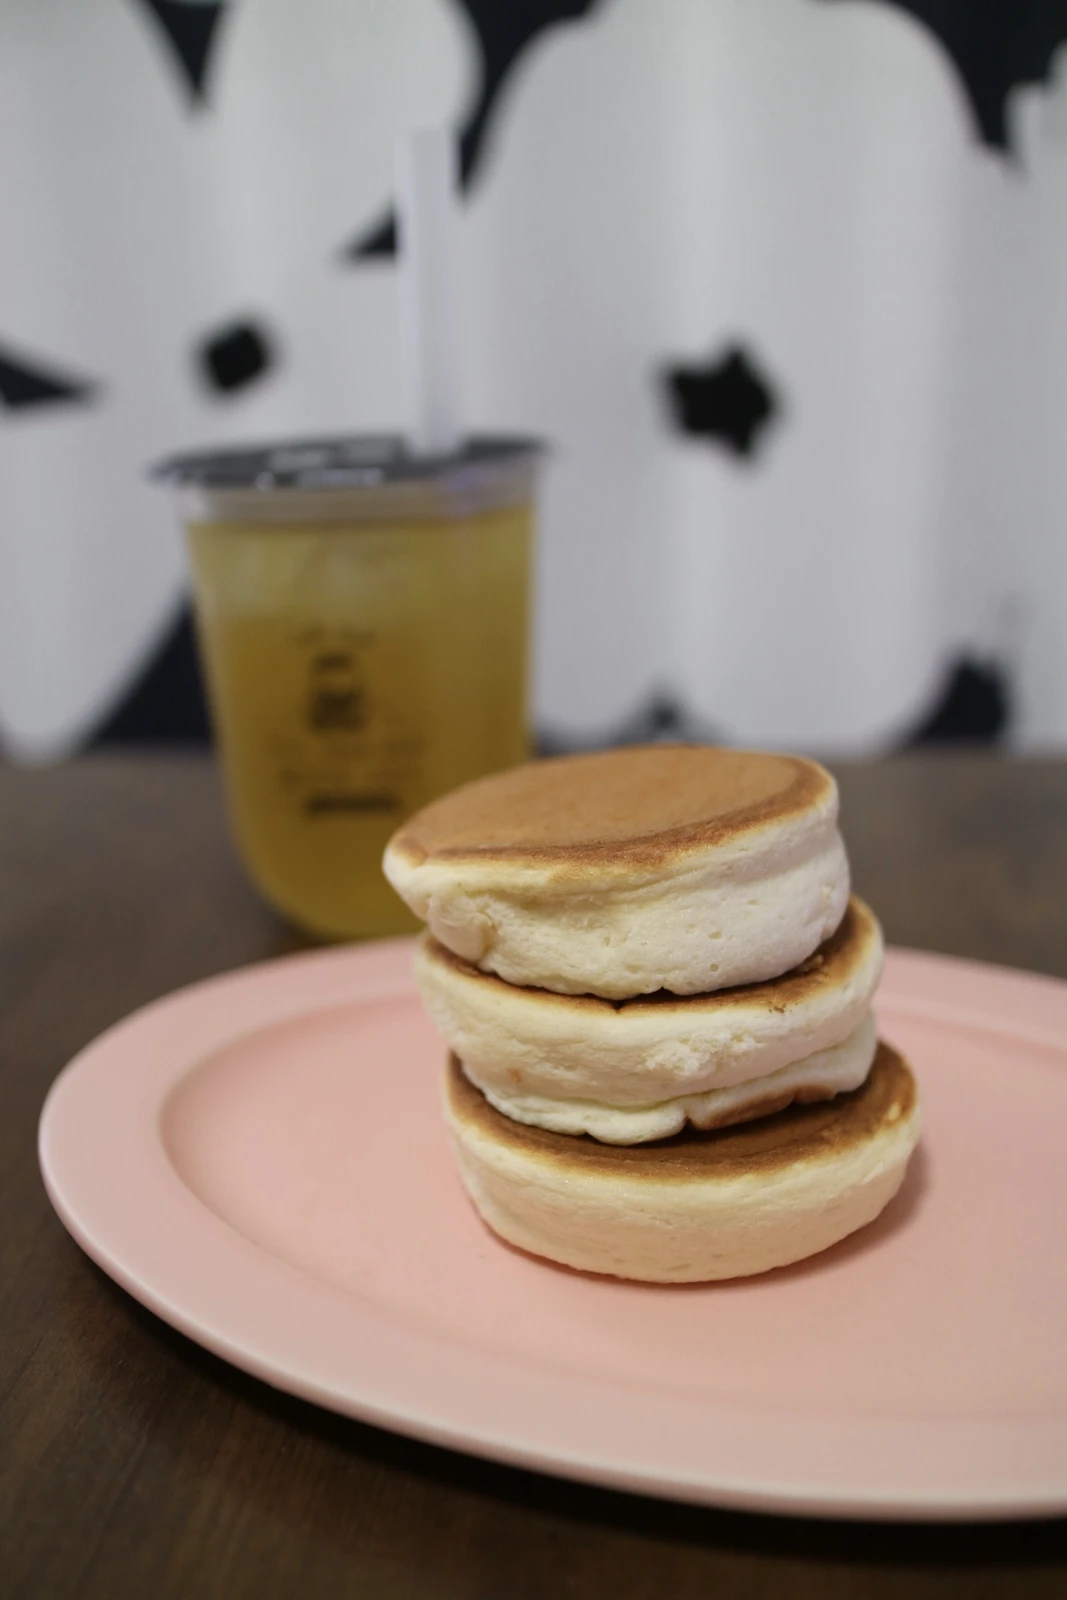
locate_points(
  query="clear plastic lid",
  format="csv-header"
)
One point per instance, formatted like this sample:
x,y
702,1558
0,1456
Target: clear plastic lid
x,y
354,477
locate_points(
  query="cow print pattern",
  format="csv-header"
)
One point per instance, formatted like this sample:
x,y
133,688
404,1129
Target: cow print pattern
x,y
730,400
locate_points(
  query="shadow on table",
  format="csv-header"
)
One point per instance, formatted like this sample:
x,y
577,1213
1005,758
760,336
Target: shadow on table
x,y
893,1544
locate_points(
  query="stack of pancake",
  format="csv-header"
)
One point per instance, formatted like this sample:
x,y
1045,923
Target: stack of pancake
x,y
657,993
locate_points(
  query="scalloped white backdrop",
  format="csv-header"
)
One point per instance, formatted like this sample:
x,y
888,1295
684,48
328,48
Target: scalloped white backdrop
x,y
659,182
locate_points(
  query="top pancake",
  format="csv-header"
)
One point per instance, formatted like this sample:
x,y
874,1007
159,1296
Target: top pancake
x,y
660,867
645,805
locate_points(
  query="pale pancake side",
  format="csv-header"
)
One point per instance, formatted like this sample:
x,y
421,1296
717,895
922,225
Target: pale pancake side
x,y
802,1134
825,971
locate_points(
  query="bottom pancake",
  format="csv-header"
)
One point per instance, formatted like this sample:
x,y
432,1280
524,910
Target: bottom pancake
x,y
699,1206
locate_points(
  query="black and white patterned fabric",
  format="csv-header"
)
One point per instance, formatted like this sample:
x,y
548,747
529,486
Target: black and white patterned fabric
x,y
782,280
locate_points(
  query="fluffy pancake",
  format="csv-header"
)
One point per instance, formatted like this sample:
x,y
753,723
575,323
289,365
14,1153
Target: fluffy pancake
x,y
700,1206
675,867
819,1076
638,1069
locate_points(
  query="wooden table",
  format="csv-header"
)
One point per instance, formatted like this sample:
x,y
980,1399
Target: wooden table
x,y
132,1463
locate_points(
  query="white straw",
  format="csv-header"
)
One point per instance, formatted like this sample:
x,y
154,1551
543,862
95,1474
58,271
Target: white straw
x,y
430,335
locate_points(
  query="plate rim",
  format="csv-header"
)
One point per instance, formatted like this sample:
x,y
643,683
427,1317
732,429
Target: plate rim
x,y
327,974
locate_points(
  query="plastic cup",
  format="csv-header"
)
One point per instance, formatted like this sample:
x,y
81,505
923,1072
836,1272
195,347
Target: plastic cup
x,y
363,619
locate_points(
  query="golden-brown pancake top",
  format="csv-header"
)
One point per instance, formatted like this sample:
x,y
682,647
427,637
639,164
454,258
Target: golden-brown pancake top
x,y
821,1131
646,804
827,969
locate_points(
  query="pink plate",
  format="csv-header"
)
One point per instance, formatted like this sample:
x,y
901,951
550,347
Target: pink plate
x,y
261,1161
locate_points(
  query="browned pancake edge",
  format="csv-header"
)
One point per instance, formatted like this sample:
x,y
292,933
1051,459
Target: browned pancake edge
x,y
803,1132
640,806
828,969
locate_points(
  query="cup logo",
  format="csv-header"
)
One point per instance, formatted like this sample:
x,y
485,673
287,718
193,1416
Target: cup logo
x,y
337,702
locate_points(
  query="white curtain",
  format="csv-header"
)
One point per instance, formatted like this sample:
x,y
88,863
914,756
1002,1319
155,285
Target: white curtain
x,y
663,181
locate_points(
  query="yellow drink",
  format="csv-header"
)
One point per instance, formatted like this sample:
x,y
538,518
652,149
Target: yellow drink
x,y
365,651
356,673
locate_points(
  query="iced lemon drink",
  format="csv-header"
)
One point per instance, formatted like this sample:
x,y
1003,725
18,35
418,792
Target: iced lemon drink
x,y
363,621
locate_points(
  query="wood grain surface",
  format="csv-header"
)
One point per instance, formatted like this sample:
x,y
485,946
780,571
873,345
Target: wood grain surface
x,y
132,1463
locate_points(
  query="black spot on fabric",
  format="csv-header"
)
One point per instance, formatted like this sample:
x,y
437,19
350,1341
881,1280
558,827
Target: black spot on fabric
x,y
994,46
191,31
503,29
379,240
234,356
167,704
973,707
728,400
503,33
27,382
662,720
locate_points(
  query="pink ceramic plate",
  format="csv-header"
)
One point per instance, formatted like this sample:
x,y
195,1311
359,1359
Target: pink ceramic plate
x,y
261,1161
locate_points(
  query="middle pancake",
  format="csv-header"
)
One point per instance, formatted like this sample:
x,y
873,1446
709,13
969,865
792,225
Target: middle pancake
x,y
626,1072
